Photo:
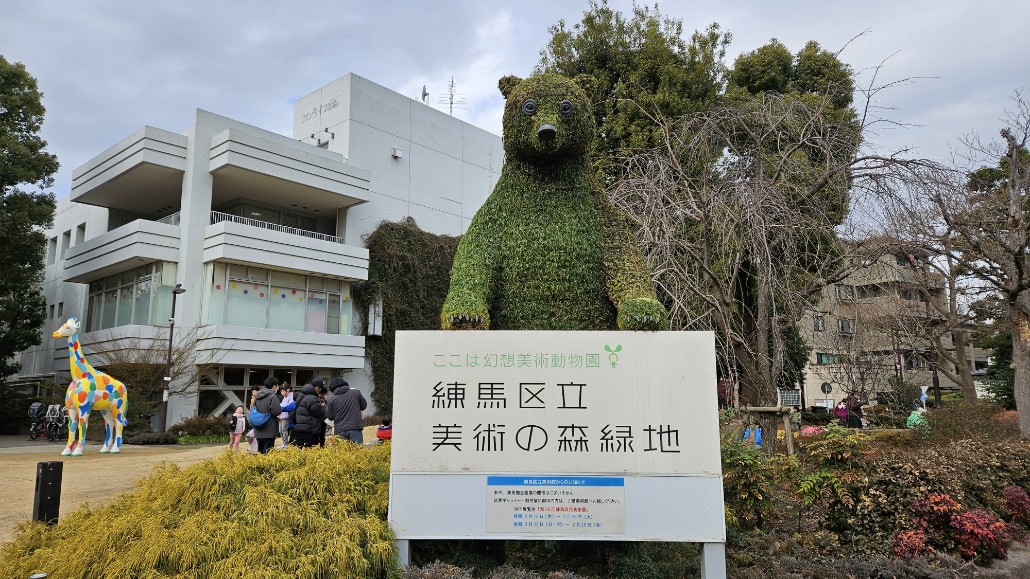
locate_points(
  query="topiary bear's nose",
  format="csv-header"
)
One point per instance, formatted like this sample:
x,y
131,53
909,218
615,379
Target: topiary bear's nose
x,y
546,131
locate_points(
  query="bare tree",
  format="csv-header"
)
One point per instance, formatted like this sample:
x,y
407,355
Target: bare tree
x,y
978,219
140,363
739,215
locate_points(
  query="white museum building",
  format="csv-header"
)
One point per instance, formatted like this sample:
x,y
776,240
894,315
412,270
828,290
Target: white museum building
x,y
263,231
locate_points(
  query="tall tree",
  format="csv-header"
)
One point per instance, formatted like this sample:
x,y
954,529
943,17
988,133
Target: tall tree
x,y
642,67
26,209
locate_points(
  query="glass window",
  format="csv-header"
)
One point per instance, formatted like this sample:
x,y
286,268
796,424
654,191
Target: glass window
x,y
304,375
92,313
141,313
257,376
258,274
289,280
238,271
316,318
333,324
110,309
316,283
214,306
233,376
285,375
333,285
818,323
248,304
125,299
286,309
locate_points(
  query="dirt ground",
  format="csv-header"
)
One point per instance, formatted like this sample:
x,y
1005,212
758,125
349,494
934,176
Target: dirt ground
x,y
92,478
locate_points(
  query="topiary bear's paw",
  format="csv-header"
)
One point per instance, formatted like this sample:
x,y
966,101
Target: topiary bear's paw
x,y
454,320
643,314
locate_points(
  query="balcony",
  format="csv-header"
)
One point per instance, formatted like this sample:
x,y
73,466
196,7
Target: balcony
x,y
120,249
259,243
239,346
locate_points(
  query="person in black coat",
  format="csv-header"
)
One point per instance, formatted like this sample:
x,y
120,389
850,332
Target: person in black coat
x,y
267,402
309,416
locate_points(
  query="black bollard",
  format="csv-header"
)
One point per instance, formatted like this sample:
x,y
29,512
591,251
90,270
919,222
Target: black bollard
x,y
47,505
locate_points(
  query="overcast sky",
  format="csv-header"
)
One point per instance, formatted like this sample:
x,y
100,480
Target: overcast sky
x,y
109,67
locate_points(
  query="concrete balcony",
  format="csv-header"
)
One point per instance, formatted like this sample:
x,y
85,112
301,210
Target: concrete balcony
x,y
128,246
248,241
238,346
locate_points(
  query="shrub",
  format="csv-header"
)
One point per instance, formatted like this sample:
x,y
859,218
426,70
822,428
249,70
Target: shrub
x,y
153,438
204,439
837,447
202,425
909,544
748,484
969,420
1017,503
980,535
292,513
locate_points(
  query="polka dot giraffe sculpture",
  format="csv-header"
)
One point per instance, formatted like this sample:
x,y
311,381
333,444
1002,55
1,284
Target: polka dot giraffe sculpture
x,y
91,390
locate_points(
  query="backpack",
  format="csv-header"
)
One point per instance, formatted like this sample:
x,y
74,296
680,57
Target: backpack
x,y
293,413
258,418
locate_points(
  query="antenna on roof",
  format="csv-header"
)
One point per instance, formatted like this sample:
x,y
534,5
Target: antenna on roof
x,y
452,99
425,93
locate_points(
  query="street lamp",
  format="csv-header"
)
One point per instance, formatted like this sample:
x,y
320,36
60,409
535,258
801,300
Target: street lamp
x,y
178,289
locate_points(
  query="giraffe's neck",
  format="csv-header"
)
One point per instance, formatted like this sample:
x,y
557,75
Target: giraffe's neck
x,y
76,360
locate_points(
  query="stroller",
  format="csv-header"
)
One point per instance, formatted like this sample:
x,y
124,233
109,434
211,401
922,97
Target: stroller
x,y
37,414
56,422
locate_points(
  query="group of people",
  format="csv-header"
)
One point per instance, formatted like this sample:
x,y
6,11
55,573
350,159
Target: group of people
x,y
849,412
303,419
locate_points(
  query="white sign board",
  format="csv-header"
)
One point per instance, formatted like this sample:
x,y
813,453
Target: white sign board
x,y
558,435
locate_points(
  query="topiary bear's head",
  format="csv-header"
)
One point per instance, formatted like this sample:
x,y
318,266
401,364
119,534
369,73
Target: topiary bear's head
x,y
547,119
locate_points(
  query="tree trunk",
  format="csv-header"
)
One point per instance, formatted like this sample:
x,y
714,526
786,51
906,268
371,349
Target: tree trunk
x,y
1021,367
962,366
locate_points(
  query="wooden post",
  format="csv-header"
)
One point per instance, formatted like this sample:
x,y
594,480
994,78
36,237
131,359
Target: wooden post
x,y
46,506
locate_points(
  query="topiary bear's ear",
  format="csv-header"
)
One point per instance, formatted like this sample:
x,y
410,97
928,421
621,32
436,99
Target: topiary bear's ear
x,y
587,83
507,84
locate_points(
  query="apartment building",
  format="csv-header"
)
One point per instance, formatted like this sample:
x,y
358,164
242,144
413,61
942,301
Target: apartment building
x,y
262,231
870,330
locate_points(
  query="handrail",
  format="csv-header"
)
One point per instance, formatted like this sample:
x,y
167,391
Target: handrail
x,y
172,219
218,217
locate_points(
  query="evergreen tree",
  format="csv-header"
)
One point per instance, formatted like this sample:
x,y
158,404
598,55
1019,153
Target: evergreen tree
x,y
26,209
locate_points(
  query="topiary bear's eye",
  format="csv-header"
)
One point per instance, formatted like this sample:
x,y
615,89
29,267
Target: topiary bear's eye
x,y
529,107
565,108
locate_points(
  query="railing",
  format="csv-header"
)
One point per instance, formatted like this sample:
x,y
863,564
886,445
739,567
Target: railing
x,y
218,217
172,219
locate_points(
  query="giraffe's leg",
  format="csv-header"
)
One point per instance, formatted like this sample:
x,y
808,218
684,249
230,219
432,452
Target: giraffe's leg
x,y
119,424
108,431
83,425
73,427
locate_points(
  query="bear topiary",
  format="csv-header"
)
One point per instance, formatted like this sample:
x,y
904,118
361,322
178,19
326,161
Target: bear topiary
x,y
547,251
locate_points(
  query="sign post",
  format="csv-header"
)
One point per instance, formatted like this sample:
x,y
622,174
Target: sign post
x,y
558,436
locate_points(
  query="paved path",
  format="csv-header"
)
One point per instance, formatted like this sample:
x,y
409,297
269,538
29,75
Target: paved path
x,y
93,477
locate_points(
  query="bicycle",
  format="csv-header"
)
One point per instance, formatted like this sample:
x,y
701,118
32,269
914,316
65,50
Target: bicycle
x,y
37,413
56,422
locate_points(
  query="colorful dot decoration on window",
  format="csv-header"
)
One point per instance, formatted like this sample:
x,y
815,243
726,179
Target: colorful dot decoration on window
x,y
255,286
294,292
283,296
245,292
218,286
233,285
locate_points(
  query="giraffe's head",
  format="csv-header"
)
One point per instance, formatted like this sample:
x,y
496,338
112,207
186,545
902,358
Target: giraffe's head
x,y
69,328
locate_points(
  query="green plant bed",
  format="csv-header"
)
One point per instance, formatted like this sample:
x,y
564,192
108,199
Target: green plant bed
x,y
204,439
153,438
293,513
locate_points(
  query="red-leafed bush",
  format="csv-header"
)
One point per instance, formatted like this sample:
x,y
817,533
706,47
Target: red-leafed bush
x,y
1017,502
935,510
980,535
908,544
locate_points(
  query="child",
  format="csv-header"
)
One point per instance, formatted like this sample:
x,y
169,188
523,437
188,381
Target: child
x,y
237,424
385,430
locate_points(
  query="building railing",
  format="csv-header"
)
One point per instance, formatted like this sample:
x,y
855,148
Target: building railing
x,y
218,217
172,219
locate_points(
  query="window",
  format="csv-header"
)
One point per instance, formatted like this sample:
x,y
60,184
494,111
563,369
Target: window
x,y
51,311
137,296
818,323
51,251
823,359
846,326
80,233
790,397
845,292
60,310
260,298
66,242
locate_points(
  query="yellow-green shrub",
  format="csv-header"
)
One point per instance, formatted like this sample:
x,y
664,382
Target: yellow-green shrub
x,y
293,513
